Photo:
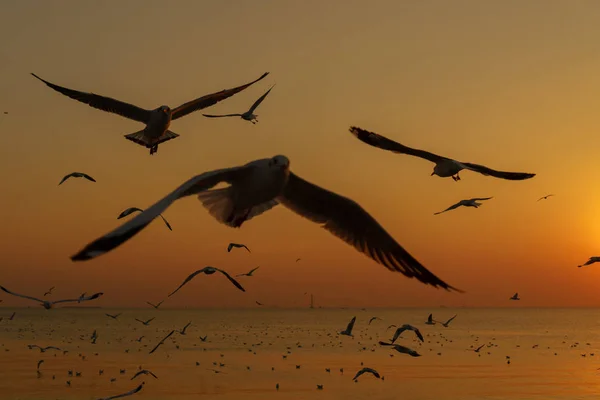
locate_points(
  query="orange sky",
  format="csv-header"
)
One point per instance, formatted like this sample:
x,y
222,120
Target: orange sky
x,y
510,84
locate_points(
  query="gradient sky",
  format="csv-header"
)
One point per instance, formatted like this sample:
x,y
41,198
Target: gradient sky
x,y
510,84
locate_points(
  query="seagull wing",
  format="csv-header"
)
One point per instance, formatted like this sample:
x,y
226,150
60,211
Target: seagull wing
x,y
89,178
481,198
376,140
131,392
236,283
161,342
138,374
92,297
189,278
351,325
418,333
246,247
208,100
148,304
430,318
130,210
398,333
260,99
359,373
221,116
103,103
20,295
166,222
513,176
130,228
450,320
348,221
452,207
254,269
65,178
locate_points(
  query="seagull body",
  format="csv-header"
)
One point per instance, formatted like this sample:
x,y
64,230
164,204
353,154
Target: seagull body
x,y
144,372
161,342
248,115
401,349
135,209
249,273
208,271
515,297
545,197
430,320
364,370
261,185
447,322
465,203
145,322
157,121
591,261
407,327
444,167
113,316
49,304
237,246
76,175
348,330
131,392
155,305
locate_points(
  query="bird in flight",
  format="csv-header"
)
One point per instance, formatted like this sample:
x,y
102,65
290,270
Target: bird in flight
x,y
407,327
447,322
157,121
249,273
401,349
348,330
145,322
135,209
545,197
591,261
430,320
113,316
237,246
444,167
248,115
515,297
364,370
182,332
76,175
208,271
42,349
477,349
261,185
155,305
373,319
49,304
465,203
131,392
49,291
143,372
161,342
258,303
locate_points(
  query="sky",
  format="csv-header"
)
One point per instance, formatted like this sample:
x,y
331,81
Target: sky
x,y
509,84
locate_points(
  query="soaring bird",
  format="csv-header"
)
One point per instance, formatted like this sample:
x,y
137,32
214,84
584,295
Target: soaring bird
x,y
42,349
76,175
259,186
407,327
447,322
444,167
348,330
155,305
135,209
182,332
145,322
478,348
465,203
401,349
49,291
545,197
248,115
591,261
515,297
94,337
49,304
208,271
369,370
237,246
157,121
161,342
373,319
143,372
430,320
115,316
249,273
131,392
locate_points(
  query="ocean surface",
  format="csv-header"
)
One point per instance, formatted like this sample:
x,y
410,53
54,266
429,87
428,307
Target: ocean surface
x,y
553,354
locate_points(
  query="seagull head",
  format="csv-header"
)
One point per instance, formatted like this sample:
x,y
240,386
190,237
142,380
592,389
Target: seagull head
x,y
281,162
165,109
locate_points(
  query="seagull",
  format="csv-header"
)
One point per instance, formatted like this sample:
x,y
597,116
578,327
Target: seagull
x,y
203,338
145,322
49,291
401,349
113,316
155,305
466,203
77,175
49,304
258,303
407,327
249,273
591,261
444,167
391,326
477,349
40,362
430,320
298,259
248,115
135,209
161,342
369,370
545,197
515,297
42,349
94,337
447,322
182,332
134,391
348,331
157,121
259,186
237,245
373,319
144,372
208,271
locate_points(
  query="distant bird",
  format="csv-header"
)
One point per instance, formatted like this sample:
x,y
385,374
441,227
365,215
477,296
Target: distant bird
x,y
401,349
545,197
5,112
12,316
238,246
447,322
131,392
364,370
157,121
40,362
591,261
49,291
373,319
140,339
391,326
259,186
259,303
348,330
113,316
208,271
143,372
94,337
161,342
477,349
145,322
515,297
135,209
248,115
182,332
76,175
430,320
465,203
407,327
42,349
249,273
298,259
444,167
203,338
155,305
49,304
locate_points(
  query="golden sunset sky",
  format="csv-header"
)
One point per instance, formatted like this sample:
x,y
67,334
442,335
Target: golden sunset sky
x,y
512,84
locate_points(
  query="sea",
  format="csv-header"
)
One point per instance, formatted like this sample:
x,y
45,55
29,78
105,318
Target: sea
x,y
271,353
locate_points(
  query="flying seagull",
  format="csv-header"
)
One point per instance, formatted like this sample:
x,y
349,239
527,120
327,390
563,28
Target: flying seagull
x,y
369,370
258,302
407,327
373,319
182,332
157,121
131,392
49,304
155,305
348,330
135,209
248,115
94,337
49,291
591,261
465,203
161,342
42,349
113,316
444,167
76,175
515,297
545,197
447,322
259,186
145,322
238,246
249,273
208,271
477,349
401,349
144,372
430,320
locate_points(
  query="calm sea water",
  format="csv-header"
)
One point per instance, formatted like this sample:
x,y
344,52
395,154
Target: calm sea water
x,y
553,354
